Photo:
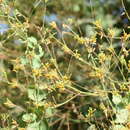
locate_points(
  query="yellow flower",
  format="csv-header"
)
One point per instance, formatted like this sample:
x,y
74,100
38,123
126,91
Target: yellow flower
x,y
102,57
89,49
30,55
83,40
111,49
66,49
123,87
66,78
80,40
37,72
90,112
76,54
97,23
122,60
48,104
98,73
125,36
126,52
93,39
60,85
52,74
111,33
18,67
46,66
53,24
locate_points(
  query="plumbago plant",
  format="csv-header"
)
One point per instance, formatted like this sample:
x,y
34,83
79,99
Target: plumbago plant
x,y
55,78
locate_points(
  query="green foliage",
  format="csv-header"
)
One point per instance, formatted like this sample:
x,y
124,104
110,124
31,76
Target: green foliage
x,y
29,117
64,65
38,126
117,99
36,95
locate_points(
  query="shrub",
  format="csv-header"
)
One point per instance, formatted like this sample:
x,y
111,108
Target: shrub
x,y
64,65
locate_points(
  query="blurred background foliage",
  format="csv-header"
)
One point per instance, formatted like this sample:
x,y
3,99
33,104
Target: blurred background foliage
x,y
20,19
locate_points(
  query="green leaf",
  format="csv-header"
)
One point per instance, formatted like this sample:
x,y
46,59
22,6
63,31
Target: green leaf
x,y
49,112
116,99
122,116
32,41
36,95
76,8
24,60
36,63
29,117
39,52
38,126
90,31
44,125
